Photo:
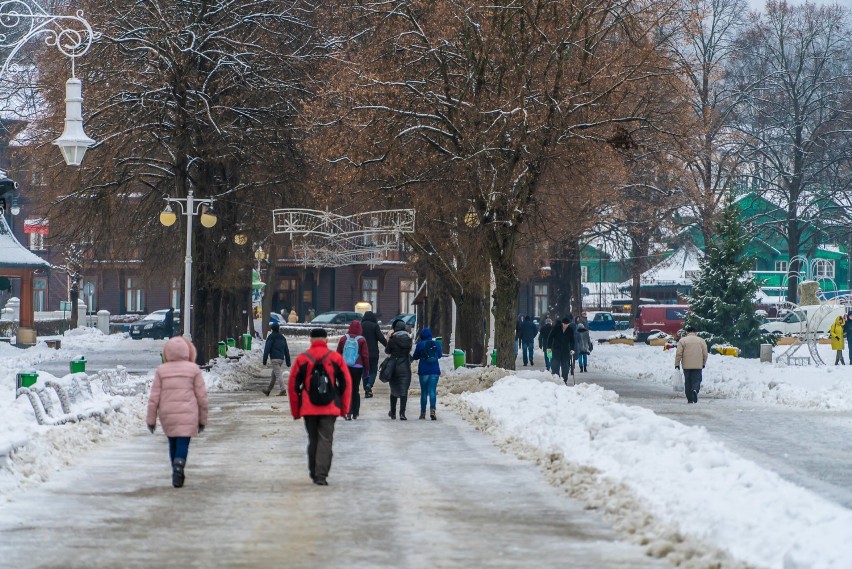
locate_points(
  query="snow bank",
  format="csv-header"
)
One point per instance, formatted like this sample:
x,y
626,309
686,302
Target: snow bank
x,y
827,387
683,477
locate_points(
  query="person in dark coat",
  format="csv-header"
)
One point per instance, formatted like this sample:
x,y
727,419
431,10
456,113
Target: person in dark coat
x,y
276,350
358,368
399,350
169,323
518,332
543,336
561,343
528,334
373,335
847,331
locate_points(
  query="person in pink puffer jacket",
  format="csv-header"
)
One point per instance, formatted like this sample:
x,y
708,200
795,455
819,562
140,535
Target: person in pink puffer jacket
x,y
179,397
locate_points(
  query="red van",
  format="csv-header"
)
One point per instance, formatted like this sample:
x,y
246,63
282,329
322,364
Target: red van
x,y
654,318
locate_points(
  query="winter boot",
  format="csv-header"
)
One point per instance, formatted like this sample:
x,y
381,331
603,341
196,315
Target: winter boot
x,y
368,393
282,393
266,392
422,416
432,415
177,472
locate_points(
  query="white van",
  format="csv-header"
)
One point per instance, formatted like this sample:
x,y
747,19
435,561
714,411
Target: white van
x,y
820,317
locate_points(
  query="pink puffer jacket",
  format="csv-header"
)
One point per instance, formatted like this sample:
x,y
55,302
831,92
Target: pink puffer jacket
x,y
178,395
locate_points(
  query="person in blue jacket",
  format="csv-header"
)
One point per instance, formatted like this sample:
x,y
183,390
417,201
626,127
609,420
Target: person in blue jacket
x,y
428,352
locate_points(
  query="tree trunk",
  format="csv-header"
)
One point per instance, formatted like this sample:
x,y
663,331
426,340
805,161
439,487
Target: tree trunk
x,y
506,289
562,288
470,319
439,308
794,267
575,277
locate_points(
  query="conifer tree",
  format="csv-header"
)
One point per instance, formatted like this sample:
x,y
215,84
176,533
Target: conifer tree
x,y
722,303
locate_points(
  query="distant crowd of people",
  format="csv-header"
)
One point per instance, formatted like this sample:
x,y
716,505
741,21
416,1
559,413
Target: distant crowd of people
x,y
565,345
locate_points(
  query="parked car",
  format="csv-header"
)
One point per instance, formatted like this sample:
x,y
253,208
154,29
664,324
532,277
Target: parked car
x,y
820,316
336,318
409,319
153,326
654,318
601,321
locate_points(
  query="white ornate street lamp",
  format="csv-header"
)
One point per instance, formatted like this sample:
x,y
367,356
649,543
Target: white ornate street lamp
x,y
22,20
190,206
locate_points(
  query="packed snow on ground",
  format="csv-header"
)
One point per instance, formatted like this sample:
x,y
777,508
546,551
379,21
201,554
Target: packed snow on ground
x,y
30,452
680,474
825,387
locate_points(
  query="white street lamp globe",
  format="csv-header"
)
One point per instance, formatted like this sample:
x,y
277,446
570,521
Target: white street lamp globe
x,y
73,143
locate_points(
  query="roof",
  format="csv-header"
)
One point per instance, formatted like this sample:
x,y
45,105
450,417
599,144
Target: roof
x,y
678,269
13,255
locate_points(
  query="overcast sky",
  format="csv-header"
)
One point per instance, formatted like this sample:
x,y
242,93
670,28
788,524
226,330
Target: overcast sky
x,y
758,4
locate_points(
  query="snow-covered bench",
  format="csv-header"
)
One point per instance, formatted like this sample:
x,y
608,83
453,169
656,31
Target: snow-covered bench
x,y
116,382
75,397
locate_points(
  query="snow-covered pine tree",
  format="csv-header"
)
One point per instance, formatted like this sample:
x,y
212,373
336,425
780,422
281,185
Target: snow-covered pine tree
x,y
722,301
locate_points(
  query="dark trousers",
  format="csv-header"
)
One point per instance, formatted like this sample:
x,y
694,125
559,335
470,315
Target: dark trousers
x,y
355,402
849,340
402,403
370,378
546,360
560,365
692,384
320,430
528,351
178,448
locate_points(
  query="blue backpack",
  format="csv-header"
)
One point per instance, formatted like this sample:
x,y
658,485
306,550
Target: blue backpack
x,y
350,350
433,351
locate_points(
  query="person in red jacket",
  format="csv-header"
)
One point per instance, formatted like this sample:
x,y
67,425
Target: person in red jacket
x,y
356,354
319,419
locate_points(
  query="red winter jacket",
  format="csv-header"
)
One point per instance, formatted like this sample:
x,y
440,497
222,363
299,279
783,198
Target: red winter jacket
x,y
363,351
336,369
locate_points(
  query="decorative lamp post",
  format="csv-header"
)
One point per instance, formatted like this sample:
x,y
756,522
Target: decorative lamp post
x,y
190,206
22,20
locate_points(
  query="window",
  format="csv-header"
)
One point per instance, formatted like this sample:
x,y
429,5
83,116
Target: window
x,y
39,295
782,266
824,269
175,293
134,296
540,299
584,273
370,292
37,242
407,290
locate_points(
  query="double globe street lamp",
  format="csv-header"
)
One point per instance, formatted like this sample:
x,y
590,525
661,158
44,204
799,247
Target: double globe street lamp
x,y
22,20
190,206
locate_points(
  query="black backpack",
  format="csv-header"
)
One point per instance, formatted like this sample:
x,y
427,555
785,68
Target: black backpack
x,y
322,389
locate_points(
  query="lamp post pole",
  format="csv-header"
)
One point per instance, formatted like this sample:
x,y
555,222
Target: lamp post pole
x,y
190,207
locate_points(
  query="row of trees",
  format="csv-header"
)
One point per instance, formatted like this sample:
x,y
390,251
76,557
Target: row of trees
x,y
519,130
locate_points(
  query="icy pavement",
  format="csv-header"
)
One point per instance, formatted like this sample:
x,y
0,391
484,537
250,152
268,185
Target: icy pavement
x,y
402,494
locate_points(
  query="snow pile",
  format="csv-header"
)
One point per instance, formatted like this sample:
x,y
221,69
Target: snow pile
x,y
468,379
683,477
827,387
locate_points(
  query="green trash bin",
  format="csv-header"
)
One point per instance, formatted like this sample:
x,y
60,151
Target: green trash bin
x,y
223,349
246,341
440,341
27,378
494,357
78,365
232,343
458,359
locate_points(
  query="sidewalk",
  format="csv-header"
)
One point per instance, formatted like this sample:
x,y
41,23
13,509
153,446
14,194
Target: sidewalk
x,y
401,494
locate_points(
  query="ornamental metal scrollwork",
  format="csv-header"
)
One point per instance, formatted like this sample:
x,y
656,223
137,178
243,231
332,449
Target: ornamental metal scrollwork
x,y
22,20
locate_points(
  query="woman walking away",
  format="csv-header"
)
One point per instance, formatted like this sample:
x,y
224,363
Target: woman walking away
x,y
276,349
399,350
836,334
353,348
179,398
429,353
584,347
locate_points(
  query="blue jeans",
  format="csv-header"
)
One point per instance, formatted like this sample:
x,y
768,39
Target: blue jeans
x,y
178,448
428,387
582,360
370,379
529,348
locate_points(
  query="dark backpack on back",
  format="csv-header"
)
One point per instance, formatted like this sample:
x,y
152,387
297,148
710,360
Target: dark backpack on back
x,y
321,390
433,352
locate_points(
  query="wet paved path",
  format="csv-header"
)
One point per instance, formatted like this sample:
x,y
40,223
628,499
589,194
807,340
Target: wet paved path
x,y
810,448
401,494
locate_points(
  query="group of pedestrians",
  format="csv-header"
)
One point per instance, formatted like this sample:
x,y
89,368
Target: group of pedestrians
x,y
565,345
841,329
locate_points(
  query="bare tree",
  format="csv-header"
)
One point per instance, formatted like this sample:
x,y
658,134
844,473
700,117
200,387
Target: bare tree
x,y
797,117
492,90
